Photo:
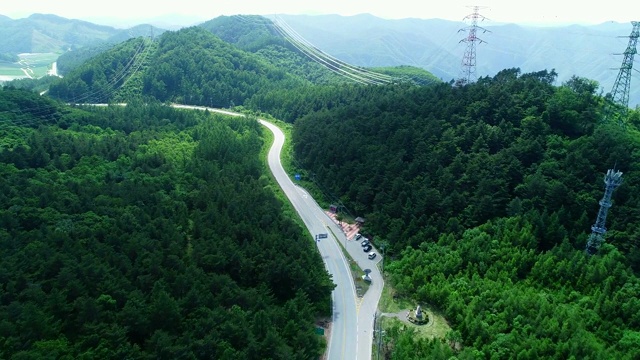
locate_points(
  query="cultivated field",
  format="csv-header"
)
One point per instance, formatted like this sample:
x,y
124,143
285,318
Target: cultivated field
x,y
36,65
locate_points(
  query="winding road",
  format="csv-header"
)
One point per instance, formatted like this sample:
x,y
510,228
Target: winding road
x,y
352,328
353,317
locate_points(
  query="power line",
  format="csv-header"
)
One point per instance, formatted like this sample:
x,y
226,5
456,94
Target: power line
x,y
342,68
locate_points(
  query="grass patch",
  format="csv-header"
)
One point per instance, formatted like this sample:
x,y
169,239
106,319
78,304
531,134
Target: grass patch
x,y
436,328
389,303
356,272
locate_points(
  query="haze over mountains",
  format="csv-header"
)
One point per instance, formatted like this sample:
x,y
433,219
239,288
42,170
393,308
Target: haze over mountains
x,y
366,40
434,44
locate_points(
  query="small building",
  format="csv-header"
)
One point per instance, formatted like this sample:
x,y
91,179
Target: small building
x,y
359,220
333,208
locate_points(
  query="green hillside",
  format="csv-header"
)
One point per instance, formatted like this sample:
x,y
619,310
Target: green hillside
x,y
145,232
43,33
224,62
485,195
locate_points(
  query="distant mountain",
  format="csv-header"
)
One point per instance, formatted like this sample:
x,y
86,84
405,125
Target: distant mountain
x,y
434,44
190,65
223,62
41,33
260,35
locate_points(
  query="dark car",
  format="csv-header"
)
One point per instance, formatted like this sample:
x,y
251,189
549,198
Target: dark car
x,y
366,248
365,242
358,236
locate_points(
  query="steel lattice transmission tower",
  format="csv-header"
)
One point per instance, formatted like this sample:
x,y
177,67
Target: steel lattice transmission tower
x,y
617,105
468,71
612,180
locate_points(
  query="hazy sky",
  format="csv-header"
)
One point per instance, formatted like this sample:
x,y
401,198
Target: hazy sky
x,y
515,11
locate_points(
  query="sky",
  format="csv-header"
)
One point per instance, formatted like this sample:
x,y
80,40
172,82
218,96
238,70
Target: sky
x,y
539,12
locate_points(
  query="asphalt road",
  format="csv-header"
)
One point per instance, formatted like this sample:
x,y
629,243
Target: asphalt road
x,y
352,326
352,332
343,340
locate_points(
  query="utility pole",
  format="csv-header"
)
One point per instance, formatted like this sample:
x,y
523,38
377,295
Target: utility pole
x,y
617,102
612,180
468,71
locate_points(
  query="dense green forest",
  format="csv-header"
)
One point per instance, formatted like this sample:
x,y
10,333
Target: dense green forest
x,y
126,230
259,35
115,76
190,66
144,232
224,62
486,194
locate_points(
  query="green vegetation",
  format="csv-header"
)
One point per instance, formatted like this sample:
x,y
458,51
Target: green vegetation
x,y
487,193
128,229
258,35
146,232
11,69
38,64
114,77
357,272
436,328
256,68
46,33
409,73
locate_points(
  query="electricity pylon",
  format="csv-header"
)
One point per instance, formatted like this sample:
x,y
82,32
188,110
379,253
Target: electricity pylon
x,y
617,102
468,71
611,181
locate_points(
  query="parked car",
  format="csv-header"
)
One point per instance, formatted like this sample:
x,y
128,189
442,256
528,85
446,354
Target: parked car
x,y
358,236
372,255
365,242
366,248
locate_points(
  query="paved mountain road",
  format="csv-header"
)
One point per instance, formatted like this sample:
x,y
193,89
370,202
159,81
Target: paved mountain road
x,y
352,321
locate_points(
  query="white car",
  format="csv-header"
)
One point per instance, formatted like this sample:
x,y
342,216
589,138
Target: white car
x,y
372,255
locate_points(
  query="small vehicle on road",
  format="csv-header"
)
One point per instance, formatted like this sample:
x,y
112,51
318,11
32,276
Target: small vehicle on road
x,y
366,248
372,255
358,236
365,242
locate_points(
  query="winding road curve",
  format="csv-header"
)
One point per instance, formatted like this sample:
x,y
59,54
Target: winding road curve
x,y
352,325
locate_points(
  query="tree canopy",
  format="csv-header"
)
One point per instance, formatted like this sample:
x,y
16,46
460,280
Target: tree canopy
x,y
146,232
486,194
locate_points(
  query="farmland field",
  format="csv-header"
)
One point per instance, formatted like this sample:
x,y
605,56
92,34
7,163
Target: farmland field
x,y
36,65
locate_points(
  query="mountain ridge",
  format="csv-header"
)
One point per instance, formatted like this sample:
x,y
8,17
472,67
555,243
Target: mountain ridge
x,y
42,33
435,45
369,41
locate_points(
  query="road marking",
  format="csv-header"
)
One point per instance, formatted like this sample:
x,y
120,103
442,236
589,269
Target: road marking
x,y
359,302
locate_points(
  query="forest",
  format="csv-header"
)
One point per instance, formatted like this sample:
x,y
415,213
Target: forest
x,y
190,66
224,62
144,232
484,193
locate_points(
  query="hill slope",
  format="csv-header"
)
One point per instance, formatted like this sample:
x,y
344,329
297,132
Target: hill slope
x,y
130,232
45,33
434,44
484,196
50,33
